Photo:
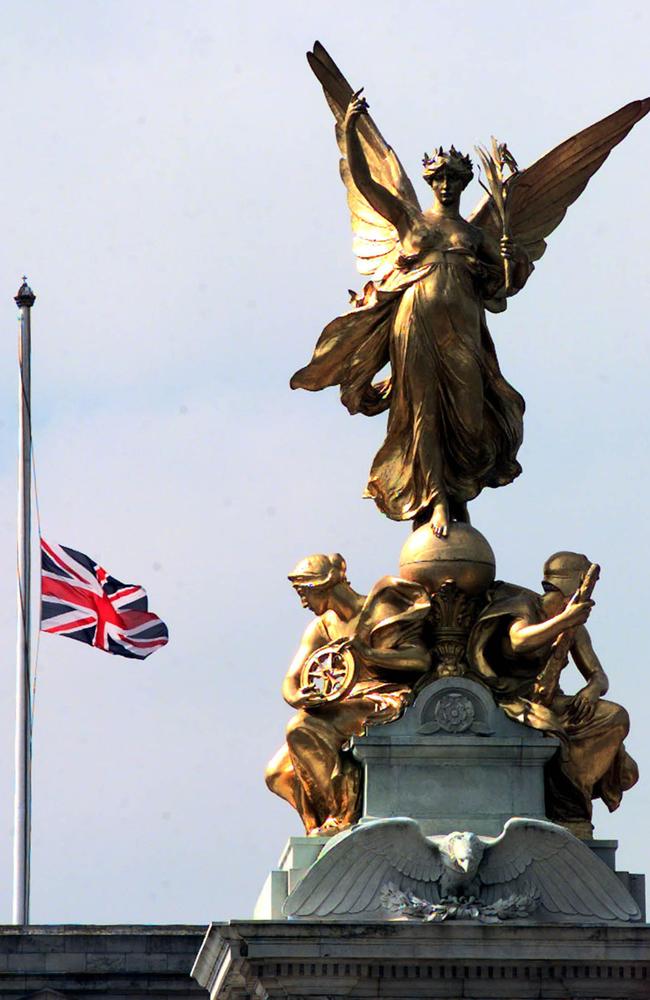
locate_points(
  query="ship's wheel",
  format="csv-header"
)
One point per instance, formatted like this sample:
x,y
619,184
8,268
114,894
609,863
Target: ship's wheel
x,y
331,670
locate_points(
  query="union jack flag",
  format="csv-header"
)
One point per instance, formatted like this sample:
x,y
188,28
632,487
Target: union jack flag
x,y
81,600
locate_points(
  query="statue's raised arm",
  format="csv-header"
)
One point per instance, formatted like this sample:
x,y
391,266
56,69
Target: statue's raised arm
x,y
381,198
455,424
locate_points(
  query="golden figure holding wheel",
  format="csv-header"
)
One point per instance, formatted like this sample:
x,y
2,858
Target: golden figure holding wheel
x,y
356,665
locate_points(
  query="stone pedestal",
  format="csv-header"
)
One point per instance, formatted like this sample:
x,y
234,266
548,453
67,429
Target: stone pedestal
x,y
454,761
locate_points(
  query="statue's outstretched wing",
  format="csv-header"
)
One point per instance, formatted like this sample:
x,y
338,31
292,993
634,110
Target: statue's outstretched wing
x,y
539,196
376,243
349,875
542,858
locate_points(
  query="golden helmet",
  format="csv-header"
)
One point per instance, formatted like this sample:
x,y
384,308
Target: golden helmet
x,y
319,570
565,570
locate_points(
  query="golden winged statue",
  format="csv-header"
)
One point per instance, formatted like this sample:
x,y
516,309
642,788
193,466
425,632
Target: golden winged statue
x,y
455,424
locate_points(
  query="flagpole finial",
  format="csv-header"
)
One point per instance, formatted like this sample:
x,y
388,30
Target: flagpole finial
x,y
25,296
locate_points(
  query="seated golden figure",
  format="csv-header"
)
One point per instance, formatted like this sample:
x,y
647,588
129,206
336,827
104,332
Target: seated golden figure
x,y
356,664
509,649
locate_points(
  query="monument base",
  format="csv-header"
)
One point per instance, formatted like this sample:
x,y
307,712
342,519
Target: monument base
x,y
409,960
454,761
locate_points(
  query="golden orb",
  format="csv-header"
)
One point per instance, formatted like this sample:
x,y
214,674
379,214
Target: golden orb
x,y
464,558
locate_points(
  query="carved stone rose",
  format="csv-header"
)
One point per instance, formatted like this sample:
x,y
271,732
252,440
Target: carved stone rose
x,y
454,712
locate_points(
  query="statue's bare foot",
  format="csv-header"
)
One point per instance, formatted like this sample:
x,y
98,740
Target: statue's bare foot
x,y
440,520
329,828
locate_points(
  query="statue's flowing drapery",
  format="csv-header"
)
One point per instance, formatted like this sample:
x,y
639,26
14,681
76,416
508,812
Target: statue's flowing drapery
x,y
455,424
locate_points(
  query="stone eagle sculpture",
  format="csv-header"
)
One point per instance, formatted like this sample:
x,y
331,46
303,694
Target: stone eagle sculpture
x,y
531,858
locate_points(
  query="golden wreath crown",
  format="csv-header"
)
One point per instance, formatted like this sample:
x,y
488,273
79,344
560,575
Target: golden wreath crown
x,y
452,159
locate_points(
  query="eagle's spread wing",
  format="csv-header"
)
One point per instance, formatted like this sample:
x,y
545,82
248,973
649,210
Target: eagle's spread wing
x,y
349,875
539,196
376,243
535,856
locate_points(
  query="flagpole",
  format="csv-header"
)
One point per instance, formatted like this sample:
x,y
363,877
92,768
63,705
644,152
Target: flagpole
x,y
23,751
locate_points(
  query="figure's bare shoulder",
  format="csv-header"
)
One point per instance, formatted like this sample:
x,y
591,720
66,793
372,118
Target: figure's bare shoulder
x,y
333,627
329,622
316,634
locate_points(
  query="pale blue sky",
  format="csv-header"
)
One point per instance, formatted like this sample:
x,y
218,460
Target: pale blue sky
x,y
171,189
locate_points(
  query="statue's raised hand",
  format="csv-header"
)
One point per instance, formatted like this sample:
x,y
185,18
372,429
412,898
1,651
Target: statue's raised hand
x,y
507,248
358,106
576,614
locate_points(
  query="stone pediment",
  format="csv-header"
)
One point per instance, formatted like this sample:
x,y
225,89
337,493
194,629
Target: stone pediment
x,y
452,706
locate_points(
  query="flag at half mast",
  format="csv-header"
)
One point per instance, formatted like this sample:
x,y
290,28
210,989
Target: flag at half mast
x,y
79,599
